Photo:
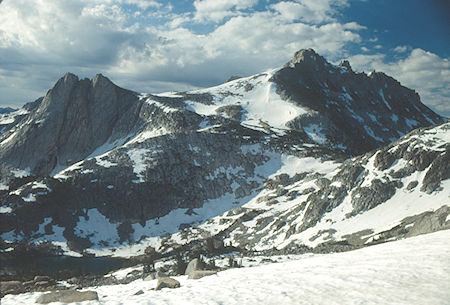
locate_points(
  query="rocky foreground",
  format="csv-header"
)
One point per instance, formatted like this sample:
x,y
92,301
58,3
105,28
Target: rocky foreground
x,y
412,271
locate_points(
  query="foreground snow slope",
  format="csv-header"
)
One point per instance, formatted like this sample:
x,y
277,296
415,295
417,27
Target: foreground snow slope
x,y
410,271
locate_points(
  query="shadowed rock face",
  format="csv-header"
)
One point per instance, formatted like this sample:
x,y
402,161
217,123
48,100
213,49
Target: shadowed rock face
x,y
6,110
136,158
75,117
360,111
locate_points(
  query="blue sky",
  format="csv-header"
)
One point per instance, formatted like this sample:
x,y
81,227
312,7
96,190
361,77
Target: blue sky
x,y
155,46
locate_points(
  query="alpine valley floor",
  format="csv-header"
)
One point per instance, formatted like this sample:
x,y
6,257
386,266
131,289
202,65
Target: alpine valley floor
x,y
409,271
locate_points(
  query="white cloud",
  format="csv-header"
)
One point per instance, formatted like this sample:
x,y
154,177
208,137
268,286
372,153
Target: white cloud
x,y
311,11
45,39
216,11
143,4
424,71
401,49
243,45
112,13
41,40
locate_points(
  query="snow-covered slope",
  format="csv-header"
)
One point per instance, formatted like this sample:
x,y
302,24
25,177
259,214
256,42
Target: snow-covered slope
x,y
399,190
9,116
252,101
414,271
257,160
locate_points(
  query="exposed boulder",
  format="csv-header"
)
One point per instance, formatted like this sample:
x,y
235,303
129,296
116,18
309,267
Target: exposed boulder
x,y
39,283
167,282
198,274
42,278
42,284
194,265
11,287
67,296
155,275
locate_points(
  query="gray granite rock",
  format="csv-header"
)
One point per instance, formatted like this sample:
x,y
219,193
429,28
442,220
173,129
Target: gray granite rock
x,y
194,265
67,296
198,274
167,282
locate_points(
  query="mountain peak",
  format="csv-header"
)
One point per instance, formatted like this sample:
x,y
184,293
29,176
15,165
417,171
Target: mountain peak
x,y
69,77
346,65
306,56
75,116
100,80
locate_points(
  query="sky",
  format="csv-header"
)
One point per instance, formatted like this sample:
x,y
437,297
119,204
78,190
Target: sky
x,y
159,45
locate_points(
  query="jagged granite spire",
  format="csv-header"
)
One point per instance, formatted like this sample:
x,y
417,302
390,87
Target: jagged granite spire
x,y
74,118
306,57
346,65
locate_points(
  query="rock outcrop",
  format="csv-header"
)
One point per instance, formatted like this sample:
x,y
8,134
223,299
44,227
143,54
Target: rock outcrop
x,y
167,282
194,265
67,296
198,274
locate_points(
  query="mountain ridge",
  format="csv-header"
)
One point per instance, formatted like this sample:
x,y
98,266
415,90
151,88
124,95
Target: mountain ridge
x,y
139,163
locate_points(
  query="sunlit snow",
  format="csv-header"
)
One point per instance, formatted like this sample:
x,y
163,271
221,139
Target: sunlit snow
x,y
258,98
414,271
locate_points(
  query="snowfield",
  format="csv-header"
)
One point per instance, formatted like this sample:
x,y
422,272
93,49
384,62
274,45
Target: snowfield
x,y
410,271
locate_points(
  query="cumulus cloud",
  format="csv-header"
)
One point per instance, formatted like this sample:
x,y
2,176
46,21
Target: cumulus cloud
x,y
242,45
45,39
401,49
213,10
143,4
424,71
311,11
41,40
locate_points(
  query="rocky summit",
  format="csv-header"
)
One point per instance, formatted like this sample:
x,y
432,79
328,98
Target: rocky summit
x,y
307,155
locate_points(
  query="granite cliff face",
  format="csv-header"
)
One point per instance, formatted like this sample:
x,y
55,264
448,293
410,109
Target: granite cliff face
x,y
75,117
92,165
